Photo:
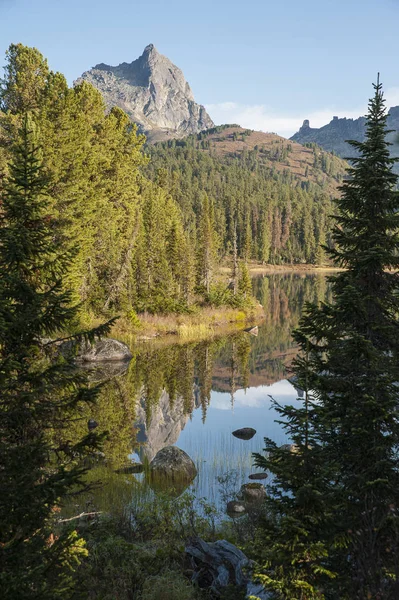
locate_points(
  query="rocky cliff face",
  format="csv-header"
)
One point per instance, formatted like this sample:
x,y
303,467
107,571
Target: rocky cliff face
x,y
154,93
333,136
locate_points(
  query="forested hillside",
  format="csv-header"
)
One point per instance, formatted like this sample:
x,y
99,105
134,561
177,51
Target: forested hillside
x,y
128,231
152,223
275,193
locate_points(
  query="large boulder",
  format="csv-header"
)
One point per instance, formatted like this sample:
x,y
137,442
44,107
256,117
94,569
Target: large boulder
x,y
104,350
245,433
172,463
220,564
101,351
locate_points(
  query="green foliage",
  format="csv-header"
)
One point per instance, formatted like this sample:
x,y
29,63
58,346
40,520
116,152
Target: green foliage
x,y
244,283
277,220
171,586
334,530
37,397
140,554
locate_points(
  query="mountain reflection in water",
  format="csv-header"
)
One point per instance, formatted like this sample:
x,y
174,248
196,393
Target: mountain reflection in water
x,y
194,395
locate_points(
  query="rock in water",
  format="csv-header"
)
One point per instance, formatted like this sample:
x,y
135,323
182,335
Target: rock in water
x,y
104,350
235,509
153,92
172,463
246,433
257,476
252,492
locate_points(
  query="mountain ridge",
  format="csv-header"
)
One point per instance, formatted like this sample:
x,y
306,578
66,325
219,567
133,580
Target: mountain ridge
x,y
334,135
153,92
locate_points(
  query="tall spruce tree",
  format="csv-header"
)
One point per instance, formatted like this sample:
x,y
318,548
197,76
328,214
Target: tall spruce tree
x,y
37,396
347,433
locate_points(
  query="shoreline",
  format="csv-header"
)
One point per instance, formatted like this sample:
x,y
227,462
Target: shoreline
x,y
205,324
268,269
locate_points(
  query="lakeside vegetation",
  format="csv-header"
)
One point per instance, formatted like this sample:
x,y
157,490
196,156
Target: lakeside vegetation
x,y
152,224
90,226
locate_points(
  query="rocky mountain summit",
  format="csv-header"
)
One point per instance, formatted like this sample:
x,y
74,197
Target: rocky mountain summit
x,y
333,136
154,93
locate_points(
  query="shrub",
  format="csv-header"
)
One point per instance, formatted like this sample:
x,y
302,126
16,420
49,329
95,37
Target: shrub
x,y
169,586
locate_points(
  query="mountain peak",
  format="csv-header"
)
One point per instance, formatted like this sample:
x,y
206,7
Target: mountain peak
x,y
154,93
150,49
334,135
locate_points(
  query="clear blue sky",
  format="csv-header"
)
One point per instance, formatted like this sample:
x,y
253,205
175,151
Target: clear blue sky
x,y
267,65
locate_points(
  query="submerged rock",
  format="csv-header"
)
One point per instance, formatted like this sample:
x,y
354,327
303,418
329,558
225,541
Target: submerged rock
x,y
103,371
172,463
245,433
258,476
235,509
252,492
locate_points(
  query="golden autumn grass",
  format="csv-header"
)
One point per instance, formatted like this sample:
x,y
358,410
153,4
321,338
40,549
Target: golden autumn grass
x,y
206,323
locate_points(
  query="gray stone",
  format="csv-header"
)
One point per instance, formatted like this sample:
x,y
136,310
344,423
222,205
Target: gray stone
x,y
172,463
235,508
153,92
252,492
219,564
290,448
102,350
257,476
91,424
245,433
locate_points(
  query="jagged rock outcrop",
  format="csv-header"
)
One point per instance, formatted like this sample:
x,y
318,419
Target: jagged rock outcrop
x,y
220,564
333,136
153,92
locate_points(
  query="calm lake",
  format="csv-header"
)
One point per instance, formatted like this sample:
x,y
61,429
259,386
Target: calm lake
x,y
194,395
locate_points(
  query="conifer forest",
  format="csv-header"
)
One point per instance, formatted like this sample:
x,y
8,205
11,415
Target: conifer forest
x,y
199,347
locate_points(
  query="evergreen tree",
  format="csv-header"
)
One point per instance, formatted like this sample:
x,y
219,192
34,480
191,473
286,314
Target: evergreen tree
x,y
347,434
206,246
244,284
37,397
